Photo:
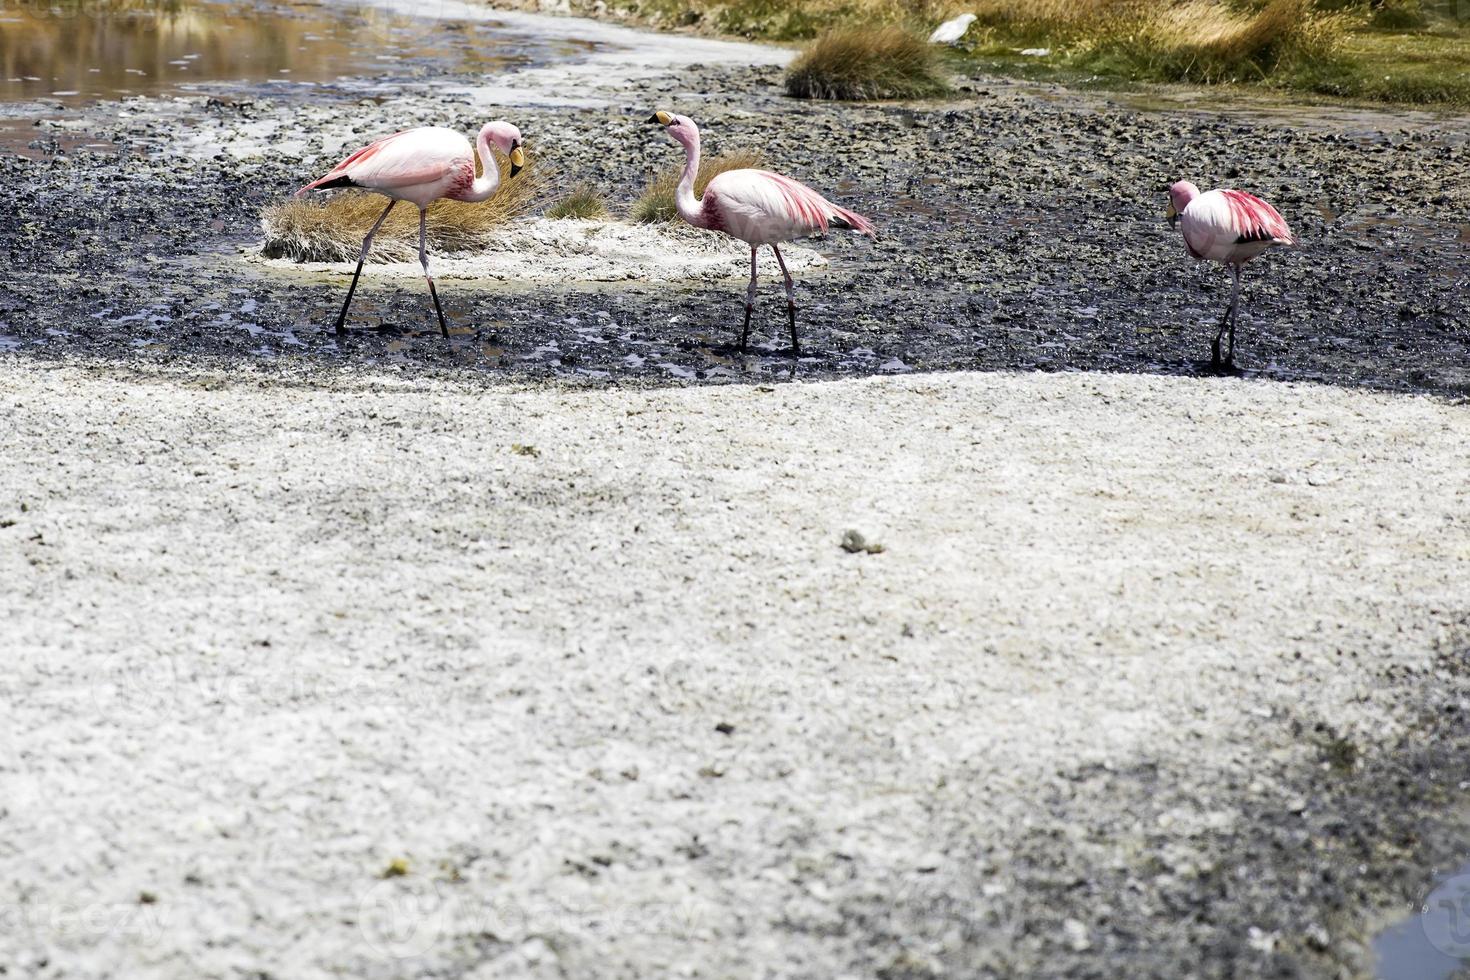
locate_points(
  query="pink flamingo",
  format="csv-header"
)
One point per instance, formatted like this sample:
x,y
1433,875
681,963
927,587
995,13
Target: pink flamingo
x,y
757,207
1230,227
420,166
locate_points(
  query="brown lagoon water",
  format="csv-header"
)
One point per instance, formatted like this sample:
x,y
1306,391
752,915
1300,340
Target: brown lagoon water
x,y
72,52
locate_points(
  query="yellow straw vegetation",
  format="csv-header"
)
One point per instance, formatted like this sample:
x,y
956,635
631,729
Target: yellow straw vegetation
x,y
656,203
1189,40
1392,50
1192,40
853,63
330,228
583,202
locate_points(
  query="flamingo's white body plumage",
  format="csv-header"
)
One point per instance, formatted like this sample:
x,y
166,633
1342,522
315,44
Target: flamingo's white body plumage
x,y
420,166
417,165
756,206
1230,227
764,208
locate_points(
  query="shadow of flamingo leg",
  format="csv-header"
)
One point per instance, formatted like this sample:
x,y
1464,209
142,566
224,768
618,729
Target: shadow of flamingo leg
x,y
1234,315
424,261
790,302
749,304
367,243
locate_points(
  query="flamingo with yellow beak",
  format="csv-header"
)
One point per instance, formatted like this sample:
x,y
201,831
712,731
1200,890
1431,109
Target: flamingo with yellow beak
x,y
756,206
420,166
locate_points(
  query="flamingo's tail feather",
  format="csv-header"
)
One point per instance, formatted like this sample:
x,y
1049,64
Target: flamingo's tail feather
x,y
852,221
326,183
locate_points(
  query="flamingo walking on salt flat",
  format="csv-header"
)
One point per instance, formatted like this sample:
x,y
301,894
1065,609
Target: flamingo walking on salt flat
x,y
420,166
1230,227
757,207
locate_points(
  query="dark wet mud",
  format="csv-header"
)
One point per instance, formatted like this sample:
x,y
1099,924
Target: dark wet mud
x,y
1020,229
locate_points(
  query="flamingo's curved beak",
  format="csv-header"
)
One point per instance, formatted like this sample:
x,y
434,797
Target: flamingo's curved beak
x,y
517,160
662,118
1172,215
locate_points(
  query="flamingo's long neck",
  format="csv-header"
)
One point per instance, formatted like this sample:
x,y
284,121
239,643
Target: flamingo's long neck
x,y
489,180
690,207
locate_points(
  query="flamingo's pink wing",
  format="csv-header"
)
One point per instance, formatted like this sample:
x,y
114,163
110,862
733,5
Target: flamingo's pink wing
x,y
1253,220
414,156
770,197
799,202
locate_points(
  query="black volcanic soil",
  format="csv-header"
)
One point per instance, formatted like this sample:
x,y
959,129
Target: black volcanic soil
x,y
1021,228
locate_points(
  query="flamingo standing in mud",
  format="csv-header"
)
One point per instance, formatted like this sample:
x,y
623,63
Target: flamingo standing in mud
x,y
1230,227
420,166
757,207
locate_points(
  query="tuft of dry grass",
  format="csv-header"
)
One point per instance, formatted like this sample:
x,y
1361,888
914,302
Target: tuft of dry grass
x,y
1203,41
583,201
656,203
859,64
1390,50
1188,40
332,230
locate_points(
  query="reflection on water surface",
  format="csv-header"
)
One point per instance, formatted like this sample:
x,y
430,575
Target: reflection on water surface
x,y
71,52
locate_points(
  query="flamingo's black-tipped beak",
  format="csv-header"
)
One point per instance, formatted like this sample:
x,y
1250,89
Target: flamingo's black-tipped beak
x,y
1172,215
517,160
662,118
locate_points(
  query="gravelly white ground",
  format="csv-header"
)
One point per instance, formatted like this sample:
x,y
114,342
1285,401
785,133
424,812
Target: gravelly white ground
x,y
544,250
262,640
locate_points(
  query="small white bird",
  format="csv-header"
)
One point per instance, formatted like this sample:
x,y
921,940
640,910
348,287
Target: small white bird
x,y
952,30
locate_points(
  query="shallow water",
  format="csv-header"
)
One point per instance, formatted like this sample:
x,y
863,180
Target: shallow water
x,y
1433,943
71,52
1364,122
60,57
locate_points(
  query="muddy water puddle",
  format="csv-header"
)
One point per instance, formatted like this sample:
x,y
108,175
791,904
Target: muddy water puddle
x,y
26,137
58,57
74,52
1363,123
1434,942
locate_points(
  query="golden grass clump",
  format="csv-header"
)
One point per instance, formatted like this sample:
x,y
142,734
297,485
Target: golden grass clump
x,y
858,64
332,230
582,202
1203,41
1057,21
1189,40
656,203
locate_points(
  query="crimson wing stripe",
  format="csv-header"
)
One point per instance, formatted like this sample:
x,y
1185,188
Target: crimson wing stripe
x,y
1254,220
364,154
803,203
